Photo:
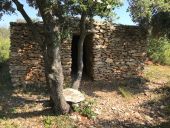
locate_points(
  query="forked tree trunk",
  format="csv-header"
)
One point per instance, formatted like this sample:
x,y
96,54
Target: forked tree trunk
x,y
55,75
77,81
53,67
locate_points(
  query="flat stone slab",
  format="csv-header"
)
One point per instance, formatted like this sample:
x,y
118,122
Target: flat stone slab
x,y
72,95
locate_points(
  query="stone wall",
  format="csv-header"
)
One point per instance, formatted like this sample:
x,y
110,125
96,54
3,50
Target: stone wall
x,y
119,51
112,52
26,60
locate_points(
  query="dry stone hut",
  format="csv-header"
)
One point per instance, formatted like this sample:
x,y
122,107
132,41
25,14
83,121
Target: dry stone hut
x,y
110,52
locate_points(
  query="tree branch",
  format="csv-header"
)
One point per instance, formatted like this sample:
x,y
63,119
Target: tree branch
x,y
35,33
41,4
22,11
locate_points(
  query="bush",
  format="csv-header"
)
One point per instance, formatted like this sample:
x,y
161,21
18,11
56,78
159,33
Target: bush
x,y
58,122
4,44
85,108
159,50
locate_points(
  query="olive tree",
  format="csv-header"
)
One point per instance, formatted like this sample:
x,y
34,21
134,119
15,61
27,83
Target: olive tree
x,y
151,14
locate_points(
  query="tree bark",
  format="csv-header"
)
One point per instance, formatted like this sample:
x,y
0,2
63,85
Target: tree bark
x,y
56,79
53,64
54,72
53,67
77,81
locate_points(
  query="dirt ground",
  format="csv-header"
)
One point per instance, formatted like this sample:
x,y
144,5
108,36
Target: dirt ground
x,y
140,104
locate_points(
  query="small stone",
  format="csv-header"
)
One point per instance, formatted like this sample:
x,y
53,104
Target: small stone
x,y
137,115
72,95
162,106
74,117
99,46
97,36
101,30
92,127
146,93
148,118
79,118
94,30
127,114
113,108
108,60
97,111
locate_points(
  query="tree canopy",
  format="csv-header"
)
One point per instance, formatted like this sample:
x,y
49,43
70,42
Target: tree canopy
x,y
151,13
6,7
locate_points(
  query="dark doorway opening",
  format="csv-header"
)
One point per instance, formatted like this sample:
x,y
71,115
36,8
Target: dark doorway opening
x,y
86,56
74,55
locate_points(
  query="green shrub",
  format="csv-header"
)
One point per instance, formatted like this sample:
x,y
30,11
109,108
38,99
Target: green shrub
x,y
58,122
4,44
4,49
47,122
159,50
85,108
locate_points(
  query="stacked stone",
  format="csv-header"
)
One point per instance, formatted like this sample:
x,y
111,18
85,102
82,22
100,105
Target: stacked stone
x,y
66,59
112,52
26,61
119,51
26,56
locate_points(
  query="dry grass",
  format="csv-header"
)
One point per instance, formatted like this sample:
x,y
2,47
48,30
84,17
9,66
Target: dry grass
x,y
125,92
157,72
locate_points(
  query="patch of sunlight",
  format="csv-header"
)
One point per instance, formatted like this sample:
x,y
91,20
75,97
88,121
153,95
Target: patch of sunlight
x,y
125,92
58,122
154,72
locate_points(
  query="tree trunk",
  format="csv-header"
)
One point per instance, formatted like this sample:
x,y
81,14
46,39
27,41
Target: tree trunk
x,y
56,79
77,81
53,67
55,75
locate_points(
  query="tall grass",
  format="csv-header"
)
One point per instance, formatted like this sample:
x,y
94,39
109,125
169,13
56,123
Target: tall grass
x,y
4,44
159,50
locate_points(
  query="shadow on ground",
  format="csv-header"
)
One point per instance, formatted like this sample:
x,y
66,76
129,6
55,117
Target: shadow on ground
x,y
10,100
157,107
131,85
129,124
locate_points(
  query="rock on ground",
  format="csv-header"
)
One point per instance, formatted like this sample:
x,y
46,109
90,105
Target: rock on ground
x,y
72,95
